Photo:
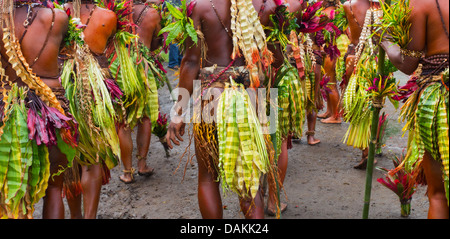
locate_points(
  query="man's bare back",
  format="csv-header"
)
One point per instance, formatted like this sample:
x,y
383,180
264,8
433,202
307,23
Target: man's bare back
x,y
427,30
218,41
46,65
427,34
355,11
149,26
213,26
101,26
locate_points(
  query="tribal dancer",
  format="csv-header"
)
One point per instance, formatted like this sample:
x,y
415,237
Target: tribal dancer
x,y
355,11
91,93
426,110
37,132
310,60
141,102
291,114
328,40
231,46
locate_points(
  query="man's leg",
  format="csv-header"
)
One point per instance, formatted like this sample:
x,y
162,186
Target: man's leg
x,y
143,139
330,72
311,117
364,158
327,113
74,202
53,207
126,150
253,208
209,199
333,104
91,182
436,190
333,96
282,167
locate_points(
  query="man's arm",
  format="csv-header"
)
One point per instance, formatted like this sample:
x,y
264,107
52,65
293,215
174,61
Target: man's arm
x,y
190,67
156,40
64,20
418,33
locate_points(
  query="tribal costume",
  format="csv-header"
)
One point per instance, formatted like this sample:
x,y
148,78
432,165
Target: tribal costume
x,y
234,142
357,100
291,102
356,104
91,95
213,78
426,113
291,97
33,120
135,71
308,54
312,59
145,101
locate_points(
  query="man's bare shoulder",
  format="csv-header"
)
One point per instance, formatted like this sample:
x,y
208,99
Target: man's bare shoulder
x,y
61,16
153,15
346,4
106,14
201,7
152,19
46,14
60,20
346,7
421,5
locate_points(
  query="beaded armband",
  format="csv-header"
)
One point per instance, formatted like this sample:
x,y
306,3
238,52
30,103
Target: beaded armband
x,y
411,53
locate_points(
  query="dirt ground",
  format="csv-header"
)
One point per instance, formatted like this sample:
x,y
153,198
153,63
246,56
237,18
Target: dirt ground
x,y
320,182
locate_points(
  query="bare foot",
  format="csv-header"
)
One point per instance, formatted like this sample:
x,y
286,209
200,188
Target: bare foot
x,y
127,176
363,164
271,210
312,140
332,120
324,115
143,169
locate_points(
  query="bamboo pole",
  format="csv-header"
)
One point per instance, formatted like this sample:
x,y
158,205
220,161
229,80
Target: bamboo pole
x,y
373,136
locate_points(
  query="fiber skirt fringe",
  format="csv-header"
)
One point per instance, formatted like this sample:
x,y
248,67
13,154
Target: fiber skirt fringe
x,y
140,89
291,102
356,106
427,119
24,156
233,144
92,105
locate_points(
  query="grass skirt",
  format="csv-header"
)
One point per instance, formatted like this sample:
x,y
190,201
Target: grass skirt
x,y
427,119
233,144
24,155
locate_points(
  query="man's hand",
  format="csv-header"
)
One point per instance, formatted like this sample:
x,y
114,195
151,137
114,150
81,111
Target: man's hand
x,y
175,131
380,36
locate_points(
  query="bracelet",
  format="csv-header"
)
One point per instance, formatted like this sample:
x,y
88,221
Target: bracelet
x,y
411,53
